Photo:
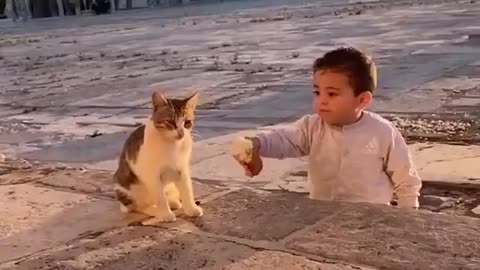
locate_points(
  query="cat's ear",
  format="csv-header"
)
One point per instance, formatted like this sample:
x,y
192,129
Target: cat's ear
x,y
158,100
192,101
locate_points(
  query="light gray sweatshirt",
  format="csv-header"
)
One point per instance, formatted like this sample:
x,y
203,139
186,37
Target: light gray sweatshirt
x,y
364,162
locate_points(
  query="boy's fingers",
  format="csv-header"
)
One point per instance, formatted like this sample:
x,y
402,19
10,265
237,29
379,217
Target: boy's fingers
x,y
252,170
256,166
244,165
246,169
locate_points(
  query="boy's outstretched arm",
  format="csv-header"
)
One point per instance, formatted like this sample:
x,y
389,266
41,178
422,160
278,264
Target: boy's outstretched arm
x,y
291,141
402,172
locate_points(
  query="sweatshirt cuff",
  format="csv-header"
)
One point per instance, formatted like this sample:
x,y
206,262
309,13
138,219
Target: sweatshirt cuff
x,y
262,145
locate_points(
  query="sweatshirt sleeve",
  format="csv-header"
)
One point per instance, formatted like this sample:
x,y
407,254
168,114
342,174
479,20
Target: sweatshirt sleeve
x,y
291,141
402,172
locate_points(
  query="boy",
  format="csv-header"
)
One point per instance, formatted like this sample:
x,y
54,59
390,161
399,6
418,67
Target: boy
x,y
354,155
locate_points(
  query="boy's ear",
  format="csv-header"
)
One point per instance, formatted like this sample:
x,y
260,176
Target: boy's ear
x,y
366,99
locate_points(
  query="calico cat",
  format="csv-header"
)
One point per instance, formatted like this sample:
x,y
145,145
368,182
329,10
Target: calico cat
x,y
153,175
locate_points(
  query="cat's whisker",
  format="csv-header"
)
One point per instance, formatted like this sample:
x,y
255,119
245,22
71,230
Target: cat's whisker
x,y
196,135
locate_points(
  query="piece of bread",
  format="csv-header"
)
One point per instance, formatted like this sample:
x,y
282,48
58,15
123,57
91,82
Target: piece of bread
x,y
242,149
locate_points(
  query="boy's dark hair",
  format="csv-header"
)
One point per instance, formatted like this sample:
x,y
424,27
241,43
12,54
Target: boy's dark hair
x,y
359,68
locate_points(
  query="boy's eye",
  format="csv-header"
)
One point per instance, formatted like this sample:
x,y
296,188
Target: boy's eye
x,y
316,93
332,94
188,123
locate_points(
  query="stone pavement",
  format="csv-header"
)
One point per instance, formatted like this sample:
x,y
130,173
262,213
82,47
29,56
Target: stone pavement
x,y
78,85
55,216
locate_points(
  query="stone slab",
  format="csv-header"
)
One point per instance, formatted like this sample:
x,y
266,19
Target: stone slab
x,y
34,218
259,215
447,163
153,248
466,101
389,238
99,148
61,176
274,260
202,191
79,180
225,168
21,137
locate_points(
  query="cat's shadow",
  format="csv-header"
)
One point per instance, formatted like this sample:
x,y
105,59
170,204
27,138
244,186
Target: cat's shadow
x,y
137,219
140,219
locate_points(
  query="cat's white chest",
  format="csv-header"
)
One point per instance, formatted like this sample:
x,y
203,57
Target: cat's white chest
x,y
150,158
176,158
159,157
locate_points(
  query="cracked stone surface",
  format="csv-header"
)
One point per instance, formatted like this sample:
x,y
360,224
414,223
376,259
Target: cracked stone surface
x,y
246,213
388,238
288,231
79,180
272,260
34,218
47,205
453,163
153,248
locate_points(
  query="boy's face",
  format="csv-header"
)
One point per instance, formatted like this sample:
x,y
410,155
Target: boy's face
x,y
335,100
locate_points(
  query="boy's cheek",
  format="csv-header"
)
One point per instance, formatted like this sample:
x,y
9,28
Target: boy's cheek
x,y
316,105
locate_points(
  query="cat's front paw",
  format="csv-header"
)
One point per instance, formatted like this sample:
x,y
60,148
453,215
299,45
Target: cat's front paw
x,y
193,211
174,204
166,217
160,218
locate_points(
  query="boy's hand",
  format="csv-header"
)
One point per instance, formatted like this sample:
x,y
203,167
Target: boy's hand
x,y
246,151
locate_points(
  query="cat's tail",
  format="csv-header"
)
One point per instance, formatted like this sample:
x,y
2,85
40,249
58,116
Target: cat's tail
x,y
127,203
124,178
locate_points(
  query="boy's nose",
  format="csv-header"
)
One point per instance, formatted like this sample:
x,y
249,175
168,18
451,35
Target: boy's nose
x,y
323,100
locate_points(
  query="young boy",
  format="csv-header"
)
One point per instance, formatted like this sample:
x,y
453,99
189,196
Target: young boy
x,y
354,155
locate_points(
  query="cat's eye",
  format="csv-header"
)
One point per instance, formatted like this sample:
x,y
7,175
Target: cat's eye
x,y
170,124
188,123
159,125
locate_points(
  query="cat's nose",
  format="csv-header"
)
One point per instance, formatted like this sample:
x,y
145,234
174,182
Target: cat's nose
x,y
180,134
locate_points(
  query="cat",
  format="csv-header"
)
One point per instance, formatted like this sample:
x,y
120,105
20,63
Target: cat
x,y
153,175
